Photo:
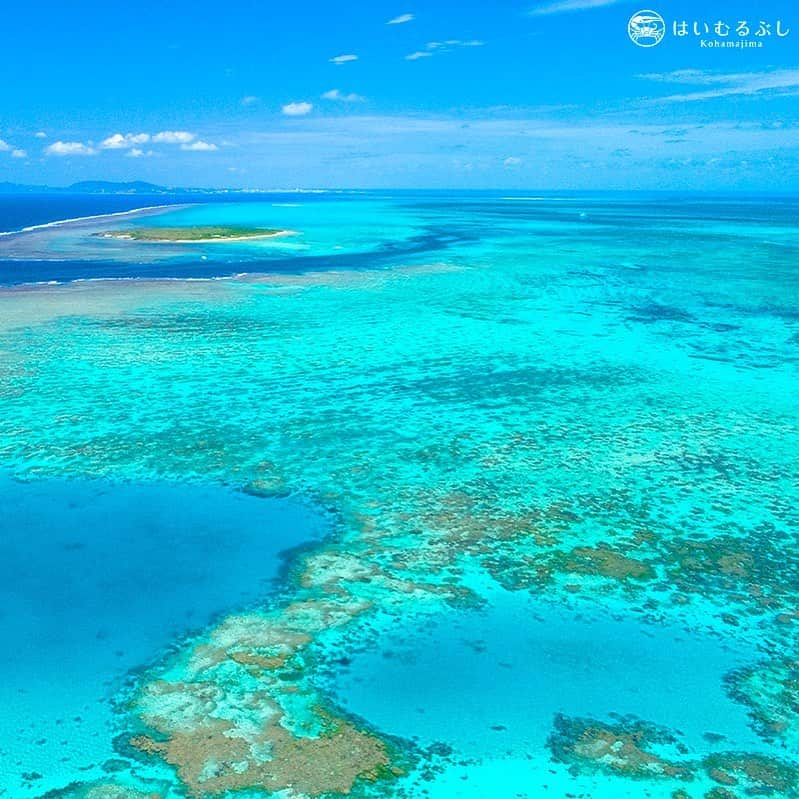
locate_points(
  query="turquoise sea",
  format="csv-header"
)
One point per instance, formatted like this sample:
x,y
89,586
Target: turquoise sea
x,y
444,495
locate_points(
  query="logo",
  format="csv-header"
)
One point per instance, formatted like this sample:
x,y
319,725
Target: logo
x,y
646,28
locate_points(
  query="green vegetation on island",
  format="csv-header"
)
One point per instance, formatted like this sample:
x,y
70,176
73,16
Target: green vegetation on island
x,y
197,233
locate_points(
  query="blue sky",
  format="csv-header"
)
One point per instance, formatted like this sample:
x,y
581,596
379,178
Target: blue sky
x,y
548,94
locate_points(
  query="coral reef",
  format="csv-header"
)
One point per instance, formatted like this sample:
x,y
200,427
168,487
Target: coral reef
x,y
771,692
637,749
623,749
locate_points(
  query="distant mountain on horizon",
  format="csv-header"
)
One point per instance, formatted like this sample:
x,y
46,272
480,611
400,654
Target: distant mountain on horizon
x,y
110,187
93,187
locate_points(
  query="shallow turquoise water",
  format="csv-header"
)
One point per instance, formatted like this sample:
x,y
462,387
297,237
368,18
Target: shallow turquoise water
x,y
584,400
489,681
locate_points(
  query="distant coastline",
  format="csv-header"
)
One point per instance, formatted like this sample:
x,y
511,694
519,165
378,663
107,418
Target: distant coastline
x,y
139,187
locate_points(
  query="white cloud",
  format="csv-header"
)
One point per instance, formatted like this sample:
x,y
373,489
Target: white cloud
x,y
564,6
250,99
199,146
297,109
66,148
335,94
174,137
402,18
120,142
456,43
343,59
131,142
443,47
784,82
686,76
15,151
40,134
512,161
117,141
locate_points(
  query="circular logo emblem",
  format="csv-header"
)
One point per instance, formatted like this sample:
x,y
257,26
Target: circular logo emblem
x,y
646,28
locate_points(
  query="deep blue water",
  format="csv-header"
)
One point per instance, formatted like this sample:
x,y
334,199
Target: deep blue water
x,y
98,579
15,273
18,211
24,210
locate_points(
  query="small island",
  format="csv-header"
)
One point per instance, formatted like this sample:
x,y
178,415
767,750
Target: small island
x,y
198,234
